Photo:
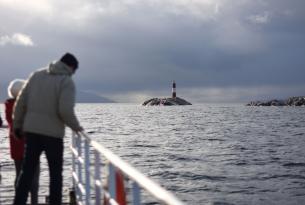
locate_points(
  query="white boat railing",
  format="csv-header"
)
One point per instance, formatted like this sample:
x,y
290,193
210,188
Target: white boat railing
x,y
96,192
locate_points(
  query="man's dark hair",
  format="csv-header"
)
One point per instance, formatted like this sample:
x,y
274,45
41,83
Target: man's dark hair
x,y
69,60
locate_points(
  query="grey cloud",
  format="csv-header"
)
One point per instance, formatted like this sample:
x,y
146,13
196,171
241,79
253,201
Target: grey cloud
x,y
130,47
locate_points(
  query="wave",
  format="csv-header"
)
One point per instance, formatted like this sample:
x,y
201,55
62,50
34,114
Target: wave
x,y
294,164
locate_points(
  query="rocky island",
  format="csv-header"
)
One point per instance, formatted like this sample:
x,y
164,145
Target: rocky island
x,y
166,101
292,101
174,100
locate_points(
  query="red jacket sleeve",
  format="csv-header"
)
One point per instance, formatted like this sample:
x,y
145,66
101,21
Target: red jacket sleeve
x,y
9,104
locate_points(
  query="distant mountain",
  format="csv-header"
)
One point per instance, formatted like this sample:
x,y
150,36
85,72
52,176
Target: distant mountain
x,y
81,97
89,97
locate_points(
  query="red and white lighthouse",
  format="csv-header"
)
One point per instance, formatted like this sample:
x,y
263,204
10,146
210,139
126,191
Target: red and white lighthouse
x,y
174,90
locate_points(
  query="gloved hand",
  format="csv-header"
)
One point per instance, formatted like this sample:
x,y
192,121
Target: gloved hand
x,y
18,133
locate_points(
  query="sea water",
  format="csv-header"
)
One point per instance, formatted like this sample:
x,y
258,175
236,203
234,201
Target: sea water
x,y
204,154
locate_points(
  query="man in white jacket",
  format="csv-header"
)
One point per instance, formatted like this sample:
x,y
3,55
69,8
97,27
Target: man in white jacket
x,y
42,110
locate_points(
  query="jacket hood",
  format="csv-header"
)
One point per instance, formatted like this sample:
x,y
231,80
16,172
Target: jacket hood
x,y
59,68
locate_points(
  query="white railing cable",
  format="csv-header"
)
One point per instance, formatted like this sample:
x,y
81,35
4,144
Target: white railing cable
x,y
115,162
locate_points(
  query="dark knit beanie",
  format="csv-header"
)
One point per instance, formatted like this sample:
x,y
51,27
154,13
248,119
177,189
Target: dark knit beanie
x,y
70,60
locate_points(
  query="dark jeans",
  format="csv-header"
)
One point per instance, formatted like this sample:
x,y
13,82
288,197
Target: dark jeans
x,y
35,145
35,182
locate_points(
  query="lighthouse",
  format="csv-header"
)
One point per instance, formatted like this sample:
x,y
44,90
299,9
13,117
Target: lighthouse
x,y
173,100
174,90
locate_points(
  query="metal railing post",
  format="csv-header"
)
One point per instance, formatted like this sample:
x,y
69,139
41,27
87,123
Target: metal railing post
x,y
111,181
136,196
87,171
73,156
79,174
73,190
97,178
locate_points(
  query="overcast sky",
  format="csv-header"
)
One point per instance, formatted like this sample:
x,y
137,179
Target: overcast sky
x,y
131,50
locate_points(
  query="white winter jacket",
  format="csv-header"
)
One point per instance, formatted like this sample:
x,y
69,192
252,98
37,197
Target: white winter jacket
x,y
46,103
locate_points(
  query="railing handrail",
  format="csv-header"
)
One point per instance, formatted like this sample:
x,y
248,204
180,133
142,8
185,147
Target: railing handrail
x,y
150,186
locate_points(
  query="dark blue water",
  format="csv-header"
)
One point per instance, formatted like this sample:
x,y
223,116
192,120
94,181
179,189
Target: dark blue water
x,y
206,154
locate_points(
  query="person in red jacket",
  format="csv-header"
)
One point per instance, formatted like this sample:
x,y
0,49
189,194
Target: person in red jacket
x,y
17,145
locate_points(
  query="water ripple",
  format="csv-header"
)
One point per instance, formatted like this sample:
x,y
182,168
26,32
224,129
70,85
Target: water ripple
x,y
205,154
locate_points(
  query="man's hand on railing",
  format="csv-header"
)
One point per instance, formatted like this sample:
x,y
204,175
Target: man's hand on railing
x,y
79,129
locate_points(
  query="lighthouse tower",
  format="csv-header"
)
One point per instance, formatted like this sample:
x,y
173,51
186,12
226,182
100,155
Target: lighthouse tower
x,y
174,90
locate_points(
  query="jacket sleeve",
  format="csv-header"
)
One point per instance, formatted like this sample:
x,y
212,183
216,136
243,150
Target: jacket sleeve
x,y
20,107
9,112
67,102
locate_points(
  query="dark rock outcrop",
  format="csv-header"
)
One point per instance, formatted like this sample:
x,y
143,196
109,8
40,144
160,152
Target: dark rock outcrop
x,y
166,101
296,101
292,101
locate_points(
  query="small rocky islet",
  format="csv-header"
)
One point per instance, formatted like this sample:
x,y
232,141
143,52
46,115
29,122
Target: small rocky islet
x,y
292,101
166,101
174,100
